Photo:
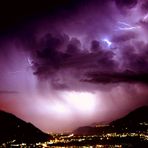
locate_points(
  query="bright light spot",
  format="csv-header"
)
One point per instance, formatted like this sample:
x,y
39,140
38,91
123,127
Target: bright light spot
x,y
109,43
81,101
44,145
71,135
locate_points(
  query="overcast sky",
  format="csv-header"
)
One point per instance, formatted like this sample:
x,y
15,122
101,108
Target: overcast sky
x,y
65,64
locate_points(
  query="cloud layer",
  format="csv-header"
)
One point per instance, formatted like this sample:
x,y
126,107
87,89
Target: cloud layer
x,y
83,48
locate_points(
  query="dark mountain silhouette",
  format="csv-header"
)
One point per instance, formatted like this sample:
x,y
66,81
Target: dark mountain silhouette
x,y
86,130
136,116
89,130
135,121
17,130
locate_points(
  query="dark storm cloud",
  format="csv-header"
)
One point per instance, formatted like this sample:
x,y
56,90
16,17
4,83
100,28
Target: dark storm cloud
x,y
124,77
126,3
144,6
49,57
58,51
61,50
123,37
134,68
133,55
95,46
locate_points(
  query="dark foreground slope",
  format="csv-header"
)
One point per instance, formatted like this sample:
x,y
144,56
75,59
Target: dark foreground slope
x,y
15,129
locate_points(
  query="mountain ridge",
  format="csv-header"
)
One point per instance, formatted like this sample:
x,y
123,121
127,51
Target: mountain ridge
x,y
131,122
13,128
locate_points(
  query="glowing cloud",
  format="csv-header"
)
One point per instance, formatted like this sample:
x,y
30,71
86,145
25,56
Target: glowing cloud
x,y
81,101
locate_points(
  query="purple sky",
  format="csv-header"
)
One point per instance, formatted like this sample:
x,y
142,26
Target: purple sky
x,y
82,63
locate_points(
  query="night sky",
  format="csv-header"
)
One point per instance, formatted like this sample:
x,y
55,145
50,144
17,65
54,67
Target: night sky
x,y
68,63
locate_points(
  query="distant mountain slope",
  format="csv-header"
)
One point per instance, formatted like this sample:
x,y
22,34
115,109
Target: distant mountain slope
x,y
13,128
135,121
136,116
85,130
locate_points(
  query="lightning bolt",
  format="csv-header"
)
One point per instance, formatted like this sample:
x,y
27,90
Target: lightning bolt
x,y
145,18
109,43
29,61
126,26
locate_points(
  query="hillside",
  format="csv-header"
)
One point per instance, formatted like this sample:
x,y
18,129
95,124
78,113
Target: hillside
x,y
135,121
15,129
